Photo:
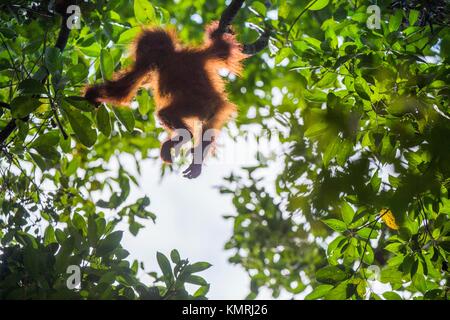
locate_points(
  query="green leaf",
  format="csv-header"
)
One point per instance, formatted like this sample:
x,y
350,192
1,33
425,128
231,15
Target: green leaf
x,y
49,153
394,247
53,60
78,222
329,78
31,260
60,236
77,73
106,64
125,116
345,150
135,265
50,138
103,120
336,243
333,274
317,4
46,145
8,33
365,232
144,102
202,291
391,275
108,278
128,35
347,213
419,282
361,288
413,16
91,51
259,7
375,182
80,103
49,235
144,12
435,294
395,20
319,292
23,105
316,129
362,88
330,152
109,244
391,296
164,264
387,149
368,255
135,227
196,280
92,231
175,256
81,126
340,292
40,162
23,129
30,87
336,224
197,267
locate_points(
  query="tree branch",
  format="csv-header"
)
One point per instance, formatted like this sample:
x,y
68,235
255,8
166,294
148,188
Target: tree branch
x,y
4,105
258,45
227,18
6,132
228,15
64,33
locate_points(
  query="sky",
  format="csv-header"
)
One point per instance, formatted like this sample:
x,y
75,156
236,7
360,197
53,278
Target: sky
x,y
189,217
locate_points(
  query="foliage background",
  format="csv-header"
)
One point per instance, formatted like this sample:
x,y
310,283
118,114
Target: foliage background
x,y
362,116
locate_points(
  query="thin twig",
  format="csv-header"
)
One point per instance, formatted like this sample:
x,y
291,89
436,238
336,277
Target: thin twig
x,y
13,64
368,238
55,113
298,17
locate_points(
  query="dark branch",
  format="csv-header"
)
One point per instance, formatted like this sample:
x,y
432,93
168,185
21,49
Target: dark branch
x,y
4,105
299,16
259,45
64,33
60,126
5,133
227,18
228,15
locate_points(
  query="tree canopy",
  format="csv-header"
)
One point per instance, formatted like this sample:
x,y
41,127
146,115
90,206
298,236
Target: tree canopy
x,y
356,95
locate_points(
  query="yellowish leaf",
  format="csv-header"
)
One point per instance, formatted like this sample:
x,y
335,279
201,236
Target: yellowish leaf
x,y
388,217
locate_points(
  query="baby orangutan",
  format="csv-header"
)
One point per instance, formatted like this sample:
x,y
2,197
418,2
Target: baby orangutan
x,y
185,83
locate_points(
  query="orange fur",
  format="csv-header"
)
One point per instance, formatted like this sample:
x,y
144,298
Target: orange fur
x,y
184,80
